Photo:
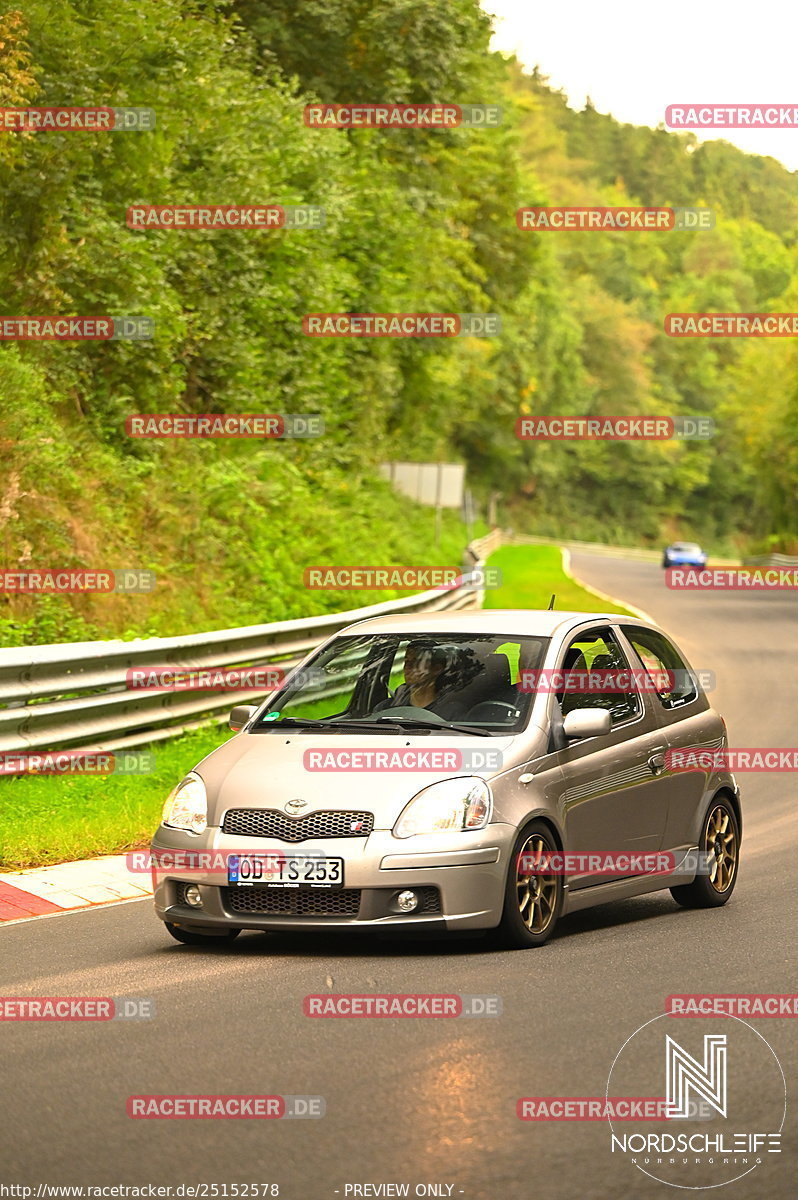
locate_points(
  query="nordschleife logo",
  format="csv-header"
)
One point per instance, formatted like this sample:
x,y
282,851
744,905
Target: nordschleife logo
x,y
725,1101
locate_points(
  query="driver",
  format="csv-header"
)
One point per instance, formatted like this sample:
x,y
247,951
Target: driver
x,y
425,668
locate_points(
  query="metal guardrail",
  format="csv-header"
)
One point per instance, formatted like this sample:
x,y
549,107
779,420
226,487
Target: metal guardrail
x,y
772,560
76,695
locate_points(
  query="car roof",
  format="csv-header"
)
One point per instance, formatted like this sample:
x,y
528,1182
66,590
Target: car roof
x,y
533,622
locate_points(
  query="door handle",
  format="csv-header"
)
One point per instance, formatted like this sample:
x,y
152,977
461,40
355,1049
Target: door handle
x,y
656,762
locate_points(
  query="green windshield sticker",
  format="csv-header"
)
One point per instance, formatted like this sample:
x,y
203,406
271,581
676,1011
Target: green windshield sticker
x,y
512,652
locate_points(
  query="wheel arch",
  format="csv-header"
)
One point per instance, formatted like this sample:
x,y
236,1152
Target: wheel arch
x,y
726,793
544,818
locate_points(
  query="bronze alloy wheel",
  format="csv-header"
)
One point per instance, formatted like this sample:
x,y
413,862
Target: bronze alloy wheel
x,y
720,843
720,840
537,894
532,900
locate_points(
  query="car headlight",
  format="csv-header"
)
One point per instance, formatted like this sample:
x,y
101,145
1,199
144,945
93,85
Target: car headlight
x,y
187,806
452,805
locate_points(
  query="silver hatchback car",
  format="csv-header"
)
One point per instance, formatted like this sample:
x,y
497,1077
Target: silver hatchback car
x,y
457,771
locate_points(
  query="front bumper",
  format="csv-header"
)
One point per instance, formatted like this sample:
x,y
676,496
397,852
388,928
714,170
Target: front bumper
x,y
459,879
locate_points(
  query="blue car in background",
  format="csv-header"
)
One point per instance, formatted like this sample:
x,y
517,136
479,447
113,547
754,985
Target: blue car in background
x,y
684,554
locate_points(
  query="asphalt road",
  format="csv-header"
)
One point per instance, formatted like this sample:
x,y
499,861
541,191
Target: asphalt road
x,y
417,1101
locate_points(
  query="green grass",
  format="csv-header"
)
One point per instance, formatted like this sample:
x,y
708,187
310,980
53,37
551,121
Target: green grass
x,y
530,574
50,819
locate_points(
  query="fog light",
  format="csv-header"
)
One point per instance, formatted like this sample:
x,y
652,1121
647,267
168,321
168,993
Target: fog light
x,y
407,901
192,896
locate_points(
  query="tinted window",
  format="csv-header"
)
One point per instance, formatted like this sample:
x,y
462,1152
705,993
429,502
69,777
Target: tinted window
x,y
589,659
671,678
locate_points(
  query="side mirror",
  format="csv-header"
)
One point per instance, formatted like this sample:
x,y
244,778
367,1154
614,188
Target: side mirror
x,y
240,715
587,723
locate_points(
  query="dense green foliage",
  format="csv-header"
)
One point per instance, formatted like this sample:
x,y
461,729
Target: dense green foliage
x,y
738,488
416,221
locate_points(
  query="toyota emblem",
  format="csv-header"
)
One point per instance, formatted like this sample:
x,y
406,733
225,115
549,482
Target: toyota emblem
x,y
295,806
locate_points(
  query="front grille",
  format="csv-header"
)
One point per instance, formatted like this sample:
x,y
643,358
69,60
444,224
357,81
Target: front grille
x,y
268,823
429,899
289,902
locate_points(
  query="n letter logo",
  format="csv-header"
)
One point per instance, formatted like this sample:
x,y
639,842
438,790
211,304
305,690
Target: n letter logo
x,y
683,1073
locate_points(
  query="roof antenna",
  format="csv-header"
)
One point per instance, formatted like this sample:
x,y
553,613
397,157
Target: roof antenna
x,y
551,602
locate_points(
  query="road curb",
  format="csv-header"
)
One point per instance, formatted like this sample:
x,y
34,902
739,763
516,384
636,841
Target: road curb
x,y
638,612
65,887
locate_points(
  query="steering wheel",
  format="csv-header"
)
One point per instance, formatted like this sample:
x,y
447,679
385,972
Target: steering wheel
x,y
488,710
415,711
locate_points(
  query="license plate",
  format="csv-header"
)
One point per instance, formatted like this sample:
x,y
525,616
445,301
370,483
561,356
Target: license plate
x,y
285,870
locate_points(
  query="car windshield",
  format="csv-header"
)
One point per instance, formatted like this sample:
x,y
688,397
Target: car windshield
x,y
397,682
687,547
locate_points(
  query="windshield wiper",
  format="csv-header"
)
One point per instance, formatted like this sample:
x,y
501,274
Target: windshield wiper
x,y
321,723
396,724
417,723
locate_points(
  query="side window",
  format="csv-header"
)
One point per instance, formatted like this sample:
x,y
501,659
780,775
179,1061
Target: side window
x,y
588,662
671,678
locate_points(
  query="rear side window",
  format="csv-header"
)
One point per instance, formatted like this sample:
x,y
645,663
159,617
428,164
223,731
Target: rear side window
x,y
597,653
671,678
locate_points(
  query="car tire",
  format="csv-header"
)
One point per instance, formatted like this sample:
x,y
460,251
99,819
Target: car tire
x,y
192,937
720,835
532,903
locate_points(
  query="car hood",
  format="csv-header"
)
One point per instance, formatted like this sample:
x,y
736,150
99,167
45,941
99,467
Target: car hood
x,y
266,770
